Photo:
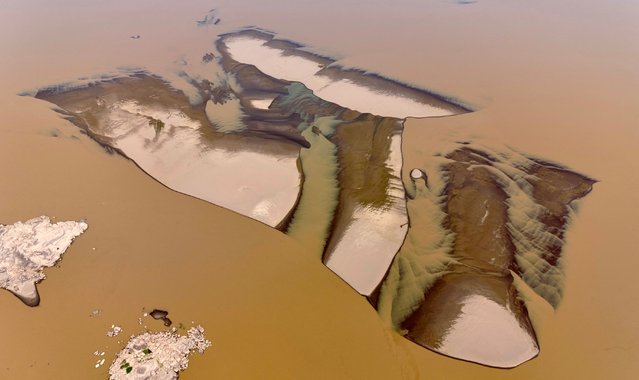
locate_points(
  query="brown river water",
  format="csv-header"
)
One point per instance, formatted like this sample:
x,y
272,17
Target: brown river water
x,y
557,81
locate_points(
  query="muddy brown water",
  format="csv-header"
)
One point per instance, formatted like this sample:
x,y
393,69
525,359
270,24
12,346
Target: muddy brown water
x,y
554,80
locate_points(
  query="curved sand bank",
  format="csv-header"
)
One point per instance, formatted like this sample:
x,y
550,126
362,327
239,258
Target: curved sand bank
x,y
371,224
172,141
351,88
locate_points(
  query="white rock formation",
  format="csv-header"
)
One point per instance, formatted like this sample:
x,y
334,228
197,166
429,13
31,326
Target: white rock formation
x,y
28,247
158,356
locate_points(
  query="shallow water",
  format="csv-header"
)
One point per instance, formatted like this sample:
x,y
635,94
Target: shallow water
x,y
554,80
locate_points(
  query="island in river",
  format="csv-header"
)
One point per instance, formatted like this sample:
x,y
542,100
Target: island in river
x,y
312,149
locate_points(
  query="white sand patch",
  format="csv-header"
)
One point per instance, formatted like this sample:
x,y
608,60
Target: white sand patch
x,y
258,185
367,248
28,247
486,332
276,63
365,99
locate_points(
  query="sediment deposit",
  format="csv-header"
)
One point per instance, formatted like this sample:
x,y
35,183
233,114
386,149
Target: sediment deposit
x,y
291,139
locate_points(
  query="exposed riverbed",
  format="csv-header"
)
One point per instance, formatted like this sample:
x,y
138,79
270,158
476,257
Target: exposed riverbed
x,y
546,91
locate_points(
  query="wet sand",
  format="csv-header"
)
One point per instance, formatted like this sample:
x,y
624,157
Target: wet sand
x,y
142,118
355,89
248,160
551,85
